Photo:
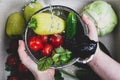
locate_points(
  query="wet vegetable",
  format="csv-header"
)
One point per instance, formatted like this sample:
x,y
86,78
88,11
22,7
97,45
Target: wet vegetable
x,y
84,48
31,8
15,24
47,49
56,40
103,16
71,25
88,49
45,63
59,57
46,24
35,43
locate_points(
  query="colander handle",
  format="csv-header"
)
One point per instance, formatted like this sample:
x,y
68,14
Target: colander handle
x,y
79,60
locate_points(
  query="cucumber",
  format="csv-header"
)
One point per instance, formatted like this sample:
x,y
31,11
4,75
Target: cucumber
x,y
71,26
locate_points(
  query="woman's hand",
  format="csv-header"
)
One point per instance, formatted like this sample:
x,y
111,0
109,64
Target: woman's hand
x,y
102,64
32,66
92,32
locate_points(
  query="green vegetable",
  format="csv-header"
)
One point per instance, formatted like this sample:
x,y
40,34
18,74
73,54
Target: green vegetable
x,y
45,63
103,16
71,25
61,56
31,8
46,24
15,25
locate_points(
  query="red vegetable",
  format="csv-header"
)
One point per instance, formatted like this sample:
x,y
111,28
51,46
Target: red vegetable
x,y
35,43
12,60
46,51
56,40
44,38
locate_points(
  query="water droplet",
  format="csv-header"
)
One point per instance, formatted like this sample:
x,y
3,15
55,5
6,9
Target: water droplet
x,y
31,5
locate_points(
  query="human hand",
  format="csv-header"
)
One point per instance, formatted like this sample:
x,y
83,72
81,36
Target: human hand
x,y
32,66
92,32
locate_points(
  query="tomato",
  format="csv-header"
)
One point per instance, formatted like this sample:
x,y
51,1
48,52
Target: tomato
x,y
13,78
56,39
47,49
22,68
35,43
12,60
44,38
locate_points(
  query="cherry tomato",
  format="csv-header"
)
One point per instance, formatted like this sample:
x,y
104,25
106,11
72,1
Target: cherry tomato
x,y
44,38
56,40
13,78
35,43
46,51
22,68
12,60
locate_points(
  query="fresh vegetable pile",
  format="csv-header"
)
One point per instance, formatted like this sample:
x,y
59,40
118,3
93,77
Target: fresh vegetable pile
x,y
57,40
48,38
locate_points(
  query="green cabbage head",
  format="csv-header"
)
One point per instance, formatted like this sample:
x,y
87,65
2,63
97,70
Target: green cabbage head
x,y
103,16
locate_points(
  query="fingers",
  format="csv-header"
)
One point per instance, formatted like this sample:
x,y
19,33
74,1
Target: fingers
x,y
51,71
32,66
26,60
92,32
21,50
46,75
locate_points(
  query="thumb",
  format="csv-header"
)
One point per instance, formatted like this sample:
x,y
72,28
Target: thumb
x,y
92,32
26,60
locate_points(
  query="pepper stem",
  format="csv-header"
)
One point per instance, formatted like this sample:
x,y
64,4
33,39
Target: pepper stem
x,y
32,24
